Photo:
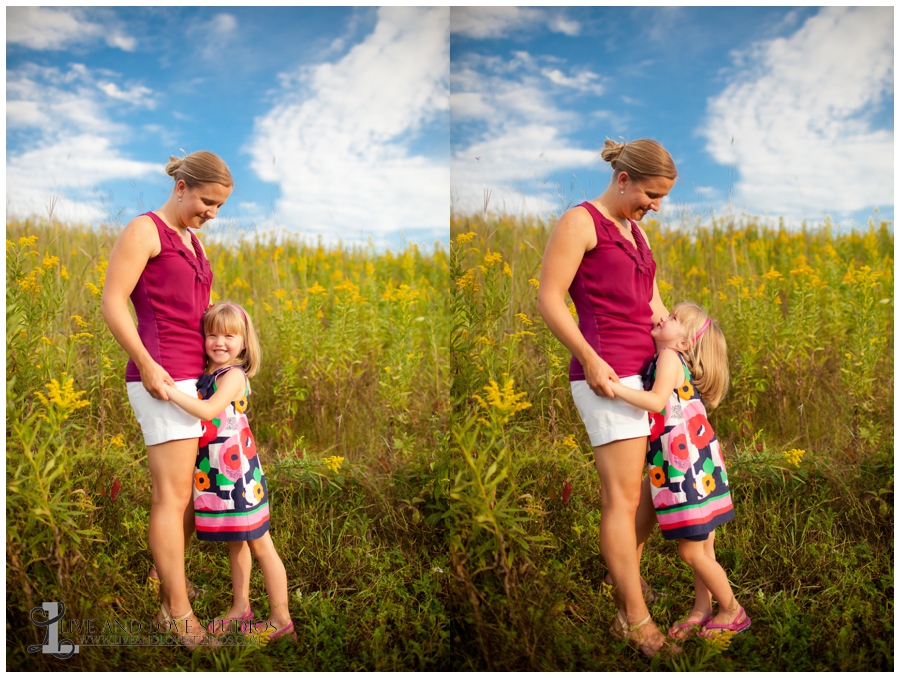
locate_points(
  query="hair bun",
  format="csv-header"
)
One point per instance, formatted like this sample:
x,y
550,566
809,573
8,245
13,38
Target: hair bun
x,y
611,151
174,165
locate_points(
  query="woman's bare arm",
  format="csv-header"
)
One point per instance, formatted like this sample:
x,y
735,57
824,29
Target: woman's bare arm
x,y
136,245
572,236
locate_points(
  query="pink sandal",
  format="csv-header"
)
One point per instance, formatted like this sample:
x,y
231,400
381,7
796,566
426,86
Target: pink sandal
x,y
222,625
740,623
269,634
688,628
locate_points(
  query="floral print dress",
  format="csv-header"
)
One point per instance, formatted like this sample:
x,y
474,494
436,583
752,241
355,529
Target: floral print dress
x,y
231,500
688,481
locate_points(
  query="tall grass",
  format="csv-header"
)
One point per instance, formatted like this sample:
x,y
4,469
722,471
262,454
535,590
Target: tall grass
x,y
807,432
349,411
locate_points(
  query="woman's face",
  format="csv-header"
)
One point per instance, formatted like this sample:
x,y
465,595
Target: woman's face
x,y
201,203
642,197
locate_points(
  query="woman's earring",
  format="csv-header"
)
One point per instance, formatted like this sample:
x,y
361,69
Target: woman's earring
x,y
179,199
622,192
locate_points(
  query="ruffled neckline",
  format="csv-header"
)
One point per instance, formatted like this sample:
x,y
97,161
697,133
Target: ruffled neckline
x,y
640,255
198,262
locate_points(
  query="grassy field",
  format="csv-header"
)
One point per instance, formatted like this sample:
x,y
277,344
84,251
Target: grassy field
x,y
433,495
807,433
350,413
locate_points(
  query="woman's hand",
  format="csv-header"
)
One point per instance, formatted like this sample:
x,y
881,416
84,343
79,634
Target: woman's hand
x,y
598,375
155,379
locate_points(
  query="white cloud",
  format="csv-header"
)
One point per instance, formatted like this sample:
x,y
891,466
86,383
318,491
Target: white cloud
x,y
137,94
584,81
338,139
796,120
215,35
498,22
66,173
43,28
522,139
75,148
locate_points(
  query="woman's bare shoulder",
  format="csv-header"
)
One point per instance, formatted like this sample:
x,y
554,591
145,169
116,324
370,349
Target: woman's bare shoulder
x,y
142,235
577,225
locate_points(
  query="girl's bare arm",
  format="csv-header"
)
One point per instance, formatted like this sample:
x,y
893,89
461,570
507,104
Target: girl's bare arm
x,y
230,385
668,371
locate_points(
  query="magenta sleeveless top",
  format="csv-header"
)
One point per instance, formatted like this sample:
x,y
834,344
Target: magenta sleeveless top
x,y
611,291
169,300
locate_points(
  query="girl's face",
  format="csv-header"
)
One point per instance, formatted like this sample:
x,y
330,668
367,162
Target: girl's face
x,y
669,333
201,203
223,348
643,197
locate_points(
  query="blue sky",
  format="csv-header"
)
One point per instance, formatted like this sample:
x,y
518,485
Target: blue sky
x,y
334,121
773,111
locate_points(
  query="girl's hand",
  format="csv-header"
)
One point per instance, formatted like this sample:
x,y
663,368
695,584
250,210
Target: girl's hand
x,y
599,375
155,379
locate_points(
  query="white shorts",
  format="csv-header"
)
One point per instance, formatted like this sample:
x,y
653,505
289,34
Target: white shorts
x,y
162,420
610,419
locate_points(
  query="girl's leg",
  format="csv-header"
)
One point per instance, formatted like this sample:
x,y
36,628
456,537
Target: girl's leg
x,y
239,557
700,556
620,465
275,578
171,472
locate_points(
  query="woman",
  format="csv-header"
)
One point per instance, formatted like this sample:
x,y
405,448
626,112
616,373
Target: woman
x,y
599,254
159,263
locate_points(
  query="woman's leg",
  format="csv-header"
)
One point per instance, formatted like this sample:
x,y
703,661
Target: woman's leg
x,y
171,472
275,578
620,465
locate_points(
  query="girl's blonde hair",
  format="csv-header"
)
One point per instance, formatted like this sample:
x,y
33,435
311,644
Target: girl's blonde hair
x,y
225,317
200,167
641,158
707,357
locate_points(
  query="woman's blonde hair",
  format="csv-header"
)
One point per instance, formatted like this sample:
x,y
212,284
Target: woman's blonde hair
x,y
225,317
200,167
641,158
707,357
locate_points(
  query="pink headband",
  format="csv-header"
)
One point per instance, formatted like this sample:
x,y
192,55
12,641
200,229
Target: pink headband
x,y
702,330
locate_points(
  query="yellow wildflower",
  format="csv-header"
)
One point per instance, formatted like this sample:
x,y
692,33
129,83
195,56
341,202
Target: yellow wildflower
x,y
45,340
281,293
504,399
316,289
63,273
333,463
27,241
569,442
524,319
507,270
534,283
63,396
49,262
266,307
772,274
463,238
491,259
794,456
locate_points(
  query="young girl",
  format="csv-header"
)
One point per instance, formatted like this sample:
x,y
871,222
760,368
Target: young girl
x,y
689,484
231,501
